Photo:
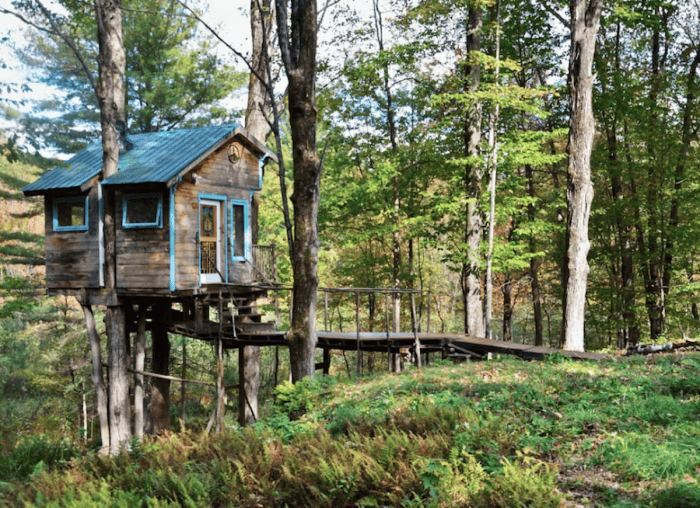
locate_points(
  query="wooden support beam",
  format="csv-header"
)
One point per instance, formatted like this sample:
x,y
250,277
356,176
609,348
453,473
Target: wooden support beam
x,y
326,361
416,344
357,325
139,364
101,400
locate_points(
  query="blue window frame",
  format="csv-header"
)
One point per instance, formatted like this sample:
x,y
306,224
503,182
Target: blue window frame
x,y
142,210
70,214
240,230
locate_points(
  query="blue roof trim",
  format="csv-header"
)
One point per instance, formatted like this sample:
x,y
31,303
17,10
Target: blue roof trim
x,y
156,157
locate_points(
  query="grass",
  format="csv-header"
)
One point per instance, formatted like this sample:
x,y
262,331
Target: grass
x,y
500,433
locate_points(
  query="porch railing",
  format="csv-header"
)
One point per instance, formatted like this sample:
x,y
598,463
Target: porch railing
x,y
264,263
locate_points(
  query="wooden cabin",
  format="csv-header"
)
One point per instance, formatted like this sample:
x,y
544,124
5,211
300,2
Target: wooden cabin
x,y
185,215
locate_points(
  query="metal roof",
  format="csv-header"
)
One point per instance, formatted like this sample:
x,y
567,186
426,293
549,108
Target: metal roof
x,y
156,157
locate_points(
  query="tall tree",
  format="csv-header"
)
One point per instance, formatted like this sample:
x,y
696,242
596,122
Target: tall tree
x,y
111,98
257,123
172,77
297,41
473,175
585,20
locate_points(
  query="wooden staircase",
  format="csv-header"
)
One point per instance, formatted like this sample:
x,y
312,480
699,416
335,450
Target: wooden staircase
x,y
239,317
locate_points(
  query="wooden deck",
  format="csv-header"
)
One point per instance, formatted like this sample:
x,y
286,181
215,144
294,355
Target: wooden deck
x,y
461,344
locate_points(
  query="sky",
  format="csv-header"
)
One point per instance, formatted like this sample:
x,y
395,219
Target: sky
x,y
228,17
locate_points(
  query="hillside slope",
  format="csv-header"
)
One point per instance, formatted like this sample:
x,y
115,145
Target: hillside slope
x,y
21,221
503,433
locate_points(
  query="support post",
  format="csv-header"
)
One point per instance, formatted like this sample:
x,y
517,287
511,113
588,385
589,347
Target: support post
x,y
427,326
326,361
139,365
249,384
217,419
183,385
159,406
416,340
119,403
101,400
357,324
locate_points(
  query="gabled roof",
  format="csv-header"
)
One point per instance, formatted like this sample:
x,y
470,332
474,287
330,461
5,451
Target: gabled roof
x,y
156,157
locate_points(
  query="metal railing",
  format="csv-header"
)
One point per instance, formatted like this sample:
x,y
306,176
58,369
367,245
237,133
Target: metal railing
x,y
264,263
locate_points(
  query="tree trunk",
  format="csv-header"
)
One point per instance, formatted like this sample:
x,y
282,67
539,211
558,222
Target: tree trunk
x,y
159,405
139,366
101,399
493,164
119,403
471,283
507,289
249,377
585,20
111,98
256,122
298,51
534,263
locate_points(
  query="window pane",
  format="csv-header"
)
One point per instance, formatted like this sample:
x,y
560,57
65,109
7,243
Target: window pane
x,y
238,230
142,210
71,213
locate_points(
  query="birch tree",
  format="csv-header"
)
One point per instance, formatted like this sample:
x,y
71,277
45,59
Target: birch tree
x,y
585,20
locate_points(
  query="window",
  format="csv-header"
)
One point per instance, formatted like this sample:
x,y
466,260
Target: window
x,y
70,214
142,211
240,230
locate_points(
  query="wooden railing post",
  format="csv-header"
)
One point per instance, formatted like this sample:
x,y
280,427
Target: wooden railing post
x,y
415,330
357,324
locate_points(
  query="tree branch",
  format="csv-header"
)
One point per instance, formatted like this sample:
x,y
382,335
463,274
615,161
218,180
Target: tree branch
x,y
283,34
554,13
70,43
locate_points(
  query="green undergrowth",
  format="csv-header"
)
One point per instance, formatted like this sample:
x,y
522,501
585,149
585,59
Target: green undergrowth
x,y
505,433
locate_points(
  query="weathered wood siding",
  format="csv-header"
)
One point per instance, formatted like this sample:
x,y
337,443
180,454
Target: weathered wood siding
x,y
215,176
72,257
143,254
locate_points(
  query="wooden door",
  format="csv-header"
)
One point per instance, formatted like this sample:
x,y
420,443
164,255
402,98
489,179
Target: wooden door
x,y
210,233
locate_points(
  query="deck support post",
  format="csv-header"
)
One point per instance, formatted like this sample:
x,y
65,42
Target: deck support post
x,y
119,403
249,384
326,361
139,366
183,385
101,399
357,325
218,417
159,405
416,343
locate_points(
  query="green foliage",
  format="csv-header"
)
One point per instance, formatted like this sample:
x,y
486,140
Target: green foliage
x,y
456,481
480,434
635,456
173,76
678,495
33,456
525,483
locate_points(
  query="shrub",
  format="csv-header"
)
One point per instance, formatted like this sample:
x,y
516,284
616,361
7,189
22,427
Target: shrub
x,y
33,456
680,495
522,484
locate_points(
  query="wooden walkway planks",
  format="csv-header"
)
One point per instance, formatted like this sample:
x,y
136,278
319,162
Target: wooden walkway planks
x,y
378,341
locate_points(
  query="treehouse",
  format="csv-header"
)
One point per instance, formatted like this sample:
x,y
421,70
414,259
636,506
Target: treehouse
x,y
185,213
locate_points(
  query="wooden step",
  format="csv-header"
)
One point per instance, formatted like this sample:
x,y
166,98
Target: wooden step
x,y
244,328
248,318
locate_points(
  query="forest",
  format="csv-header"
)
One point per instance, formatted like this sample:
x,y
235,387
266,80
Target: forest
x,y
443,165
396,183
